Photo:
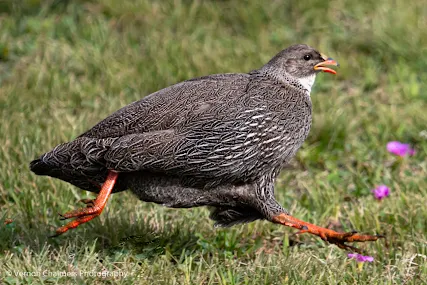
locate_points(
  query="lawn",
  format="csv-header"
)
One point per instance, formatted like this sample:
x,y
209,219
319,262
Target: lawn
x,y
65,65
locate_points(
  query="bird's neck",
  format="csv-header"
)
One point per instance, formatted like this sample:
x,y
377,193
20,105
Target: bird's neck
x,y
304,83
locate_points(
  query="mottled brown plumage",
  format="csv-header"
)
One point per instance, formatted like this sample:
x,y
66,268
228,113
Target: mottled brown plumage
x,y
219,141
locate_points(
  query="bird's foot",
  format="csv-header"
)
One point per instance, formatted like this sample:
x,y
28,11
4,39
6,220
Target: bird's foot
x,y
91,207
90,203
74,224
328,235
94,207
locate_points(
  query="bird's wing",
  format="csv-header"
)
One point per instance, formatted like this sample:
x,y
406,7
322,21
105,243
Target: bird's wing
x,y
208,149
170,107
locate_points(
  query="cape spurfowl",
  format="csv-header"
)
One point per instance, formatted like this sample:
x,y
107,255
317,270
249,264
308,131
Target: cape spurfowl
x,y
218,140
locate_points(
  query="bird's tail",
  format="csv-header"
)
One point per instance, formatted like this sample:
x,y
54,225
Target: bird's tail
x,y
70,163
59,158
39,167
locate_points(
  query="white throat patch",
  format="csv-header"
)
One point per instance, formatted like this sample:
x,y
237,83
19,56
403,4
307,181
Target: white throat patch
x,y
307,82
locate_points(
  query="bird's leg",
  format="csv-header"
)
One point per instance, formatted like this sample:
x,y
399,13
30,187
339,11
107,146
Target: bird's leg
x,y
328,235
94,208
90,202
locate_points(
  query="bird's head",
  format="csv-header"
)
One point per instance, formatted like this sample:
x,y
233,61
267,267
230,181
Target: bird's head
x,y
301,63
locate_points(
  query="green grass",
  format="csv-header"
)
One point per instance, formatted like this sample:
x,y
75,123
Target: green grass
x,y
65,65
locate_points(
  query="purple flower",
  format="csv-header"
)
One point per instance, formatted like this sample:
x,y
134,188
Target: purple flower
x,y
381,192
360,258
400,149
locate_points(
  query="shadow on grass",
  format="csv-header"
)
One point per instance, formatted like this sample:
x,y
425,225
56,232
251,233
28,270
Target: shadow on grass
x,y
116,239
140,240
152,244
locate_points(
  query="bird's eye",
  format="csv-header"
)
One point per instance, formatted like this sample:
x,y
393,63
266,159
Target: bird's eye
x,y
307,57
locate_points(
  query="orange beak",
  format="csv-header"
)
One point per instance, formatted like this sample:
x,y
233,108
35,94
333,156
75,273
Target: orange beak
x,y
322,66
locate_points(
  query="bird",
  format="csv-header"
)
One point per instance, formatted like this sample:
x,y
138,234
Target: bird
x,y
218,141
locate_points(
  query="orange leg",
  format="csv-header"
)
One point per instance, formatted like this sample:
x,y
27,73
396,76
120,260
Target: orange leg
x,y
94,208
328,235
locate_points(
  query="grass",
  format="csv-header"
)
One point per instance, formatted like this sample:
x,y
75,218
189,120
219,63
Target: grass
x,y
65,65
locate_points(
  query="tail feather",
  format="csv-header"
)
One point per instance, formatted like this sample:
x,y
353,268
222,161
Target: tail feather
x,y
69,162
39,167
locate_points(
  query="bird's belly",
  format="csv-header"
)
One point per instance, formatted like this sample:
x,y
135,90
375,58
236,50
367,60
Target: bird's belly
x,y
184,192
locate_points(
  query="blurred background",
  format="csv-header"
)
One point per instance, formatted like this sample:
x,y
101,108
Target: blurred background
x,y
65,65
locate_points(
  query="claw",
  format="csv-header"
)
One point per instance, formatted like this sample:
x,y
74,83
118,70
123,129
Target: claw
x,y
61,217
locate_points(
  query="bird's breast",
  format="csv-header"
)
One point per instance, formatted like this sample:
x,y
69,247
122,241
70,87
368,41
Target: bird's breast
x,y
277,132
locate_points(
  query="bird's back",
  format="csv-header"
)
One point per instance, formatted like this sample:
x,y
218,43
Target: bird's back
x,y
172,106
